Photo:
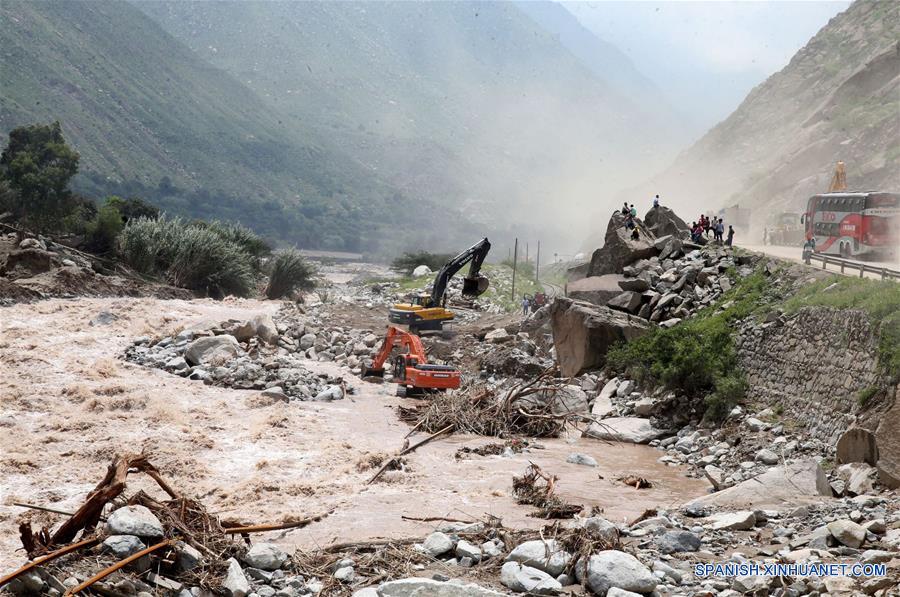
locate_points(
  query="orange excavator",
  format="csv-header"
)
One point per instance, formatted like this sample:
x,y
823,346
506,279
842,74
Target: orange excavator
x,y
411,371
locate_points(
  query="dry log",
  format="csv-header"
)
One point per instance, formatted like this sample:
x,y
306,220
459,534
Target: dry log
x,y
120,564
261,528
406,451
90,542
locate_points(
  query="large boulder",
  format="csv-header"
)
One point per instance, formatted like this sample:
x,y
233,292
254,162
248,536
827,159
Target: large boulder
x,y
617,569
797,481
662,221
582,333
597,290
632,430
212,349
265,556
525,579
619,249
548,556
857,445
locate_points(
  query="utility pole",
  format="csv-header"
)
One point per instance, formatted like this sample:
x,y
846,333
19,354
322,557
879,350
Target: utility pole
x,y
526,253
515,258
537,265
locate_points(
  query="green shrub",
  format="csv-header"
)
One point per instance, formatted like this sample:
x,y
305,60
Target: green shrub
x,y
406,263
866,395
290,272
243,237
207,263
698,356
187,255
102,232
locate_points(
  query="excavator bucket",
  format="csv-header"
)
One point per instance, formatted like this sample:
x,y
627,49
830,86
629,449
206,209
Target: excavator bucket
x,y
475,286
371,374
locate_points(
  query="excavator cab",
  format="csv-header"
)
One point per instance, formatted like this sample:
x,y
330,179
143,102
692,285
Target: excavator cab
x,y
426,312
410,368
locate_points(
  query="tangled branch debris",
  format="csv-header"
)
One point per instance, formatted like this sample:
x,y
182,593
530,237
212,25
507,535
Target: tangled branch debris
x,y
185,522
527,408
537,488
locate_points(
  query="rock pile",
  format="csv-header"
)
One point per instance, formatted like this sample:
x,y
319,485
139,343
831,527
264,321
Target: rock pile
x,y
246,355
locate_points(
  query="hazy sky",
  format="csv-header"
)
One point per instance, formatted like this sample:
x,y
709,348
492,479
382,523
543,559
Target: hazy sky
x,y
706,56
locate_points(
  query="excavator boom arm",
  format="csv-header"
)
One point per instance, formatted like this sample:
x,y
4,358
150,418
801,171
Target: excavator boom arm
x,y
474,254
396,337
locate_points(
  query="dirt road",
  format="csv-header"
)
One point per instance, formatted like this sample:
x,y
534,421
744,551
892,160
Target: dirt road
x,y
68,403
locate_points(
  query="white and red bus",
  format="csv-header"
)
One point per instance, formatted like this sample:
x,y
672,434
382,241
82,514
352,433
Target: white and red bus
x,y
854,224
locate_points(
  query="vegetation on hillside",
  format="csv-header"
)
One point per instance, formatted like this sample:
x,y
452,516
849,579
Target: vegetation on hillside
x,y
698,356
211,258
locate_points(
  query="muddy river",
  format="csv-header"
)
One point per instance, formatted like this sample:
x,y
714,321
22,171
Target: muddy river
x,y
68,403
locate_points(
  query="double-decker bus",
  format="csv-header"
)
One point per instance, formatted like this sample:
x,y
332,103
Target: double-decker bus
x,y
854,224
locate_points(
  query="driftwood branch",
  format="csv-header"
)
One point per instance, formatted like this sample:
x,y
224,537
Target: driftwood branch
x,y
120,564
50,556
261,528
412,448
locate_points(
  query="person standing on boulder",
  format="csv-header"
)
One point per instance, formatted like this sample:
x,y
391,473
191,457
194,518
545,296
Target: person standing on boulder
x,y
625,210
730,235
656,201
633,211
526,305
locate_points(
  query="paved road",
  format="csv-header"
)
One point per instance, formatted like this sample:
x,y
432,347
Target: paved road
x,y
796,254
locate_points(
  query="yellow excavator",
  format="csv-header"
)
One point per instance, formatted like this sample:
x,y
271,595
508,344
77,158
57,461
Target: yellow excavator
x,y
429,311
839,179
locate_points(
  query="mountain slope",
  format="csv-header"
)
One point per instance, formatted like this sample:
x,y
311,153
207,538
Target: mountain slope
x,y
837,99
473,103
151,118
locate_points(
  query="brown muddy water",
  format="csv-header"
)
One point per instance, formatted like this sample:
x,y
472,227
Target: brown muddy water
x,y
68,404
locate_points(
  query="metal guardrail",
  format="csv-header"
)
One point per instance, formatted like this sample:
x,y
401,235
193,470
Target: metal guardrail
x,y
884,272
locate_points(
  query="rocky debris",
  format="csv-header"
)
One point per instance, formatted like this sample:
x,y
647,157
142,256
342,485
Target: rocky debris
x,y
582,333
419,587
122,546
663,221
597,290
887,438
858,477
797,481
205,352
619,249
733,521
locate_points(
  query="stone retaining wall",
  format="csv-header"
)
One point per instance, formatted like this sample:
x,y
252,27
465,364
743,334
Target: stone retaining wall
x,y
813,365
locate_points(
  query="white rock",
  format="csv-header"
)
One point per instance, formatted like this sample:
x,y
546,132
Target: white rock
x,y
613,568
235,582
733,521
847,532
123,546
421,270
134,520
497,336
265,556
624,429
464,549
547,556
524,579
438,544
212,349
427,587
582,459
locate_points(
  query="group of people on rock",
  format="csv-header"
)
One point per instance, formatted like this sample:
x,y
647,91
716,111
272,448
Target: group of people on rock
x,y
699,229
705,225
530,304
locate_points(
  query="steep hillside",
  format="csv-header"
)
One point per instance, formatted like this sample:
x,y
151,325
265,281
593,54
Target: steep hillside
x,y
151,118
475,104
838,99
